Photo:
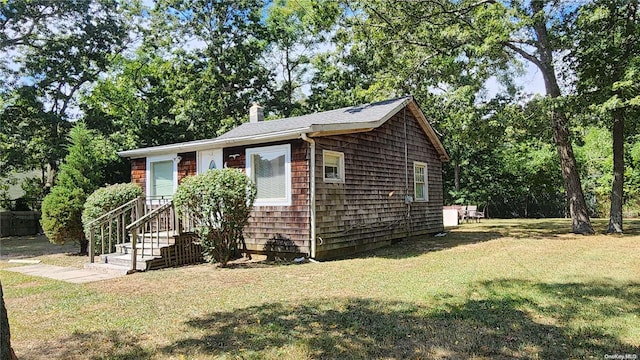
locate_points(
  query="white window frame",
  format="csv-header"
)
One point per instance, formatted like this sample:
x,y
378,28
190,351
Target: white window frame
x,y
217,155
341,169
286,149
153,159
424,166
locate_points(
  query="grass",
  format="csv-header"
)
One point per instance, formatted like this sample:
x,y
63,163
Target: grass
x,y
501,289
38,247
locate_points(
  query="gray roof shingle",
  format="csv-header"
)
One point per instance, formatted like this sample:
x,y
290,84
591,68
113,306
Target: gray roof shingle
x,y
347,119
361,114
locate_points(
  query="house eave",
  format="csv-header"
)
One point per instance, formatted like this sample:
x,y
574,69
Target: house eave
x,y
212,144
167,149
431,133
265,138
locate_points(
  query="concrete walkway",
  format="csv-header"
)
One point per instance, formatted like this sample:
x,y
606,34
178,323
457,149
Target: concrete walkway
x,y
72,275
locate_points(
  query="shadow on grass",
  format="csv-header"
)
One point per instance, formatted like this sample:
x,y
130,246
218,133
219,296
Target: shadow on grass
x,y
508,319
90,345
20,247
551,228
530,228
418,245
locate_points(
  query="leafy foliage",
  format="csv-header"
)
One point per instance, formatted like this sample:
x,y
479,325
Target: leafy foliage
x,y
606,61
106,199
219,202
186,70
51,51
61,213
296,30
79,176
26,141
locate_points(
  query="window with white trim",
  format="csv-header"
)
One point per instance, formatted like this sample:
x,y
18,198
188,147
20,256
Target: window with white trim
x,y
333,166
162,176
420,181
270,169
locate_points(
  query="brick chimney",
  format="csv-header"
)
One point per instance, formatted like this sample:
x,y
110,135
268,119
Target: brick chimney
x,y
256,113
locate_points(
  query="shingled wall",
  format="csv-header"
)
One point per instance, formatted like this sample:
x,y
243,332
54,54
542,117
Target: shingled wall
x,y
281,229
368,210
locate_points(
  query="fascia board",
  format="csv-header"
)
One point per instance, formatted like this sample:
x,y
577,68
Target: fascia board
x,y
170,148
261,139
426,127
213,144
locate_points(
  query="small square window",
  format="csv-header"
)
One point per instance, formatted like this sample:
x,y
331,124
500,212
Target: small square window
x,y
333,166
420,181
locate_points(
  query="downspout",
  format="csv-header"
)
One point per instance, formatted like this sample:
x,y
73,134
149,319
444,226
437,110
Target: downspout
x,y
312,191
407,199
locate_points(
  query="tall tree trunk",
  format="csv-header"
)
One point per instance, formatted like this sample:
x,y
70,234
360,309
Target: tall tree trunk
x,y
84,246
544,61
6,352
580,223
456,176
617,185
51,170
615,214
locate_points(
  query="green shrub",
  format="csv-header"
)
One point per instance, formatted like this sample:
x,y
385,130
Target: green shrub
x,y
106,199
219,203
61,213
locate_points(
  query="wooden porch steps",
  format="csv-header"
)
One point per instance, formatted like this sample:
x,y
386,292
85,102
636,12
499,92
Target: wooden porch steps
x,y
161,240
146,249
124,261
179,250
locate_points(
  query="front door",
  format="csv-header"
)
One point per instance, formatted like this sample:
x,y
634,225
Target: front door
x,y
209,159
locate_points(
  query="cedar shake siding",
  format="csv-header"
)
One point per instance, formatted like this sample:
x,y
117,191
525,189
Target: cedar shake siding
x,y
138,173
368,210
281,229
187,165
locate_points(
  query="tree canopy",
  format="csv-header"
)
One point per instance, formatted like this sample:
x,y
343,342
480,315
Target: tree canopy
x,y
145,74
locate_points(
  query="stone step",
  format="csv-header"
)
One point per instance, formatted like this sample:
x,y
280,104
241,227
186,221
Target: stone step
x,y
124,260
108,268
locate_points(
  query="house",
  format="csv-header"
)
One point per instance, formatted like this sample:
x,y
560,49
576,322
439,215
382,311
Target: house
x,y
328,184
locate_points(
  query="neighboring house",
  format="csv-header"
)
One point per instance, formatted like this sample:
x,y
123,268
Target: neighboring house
x,y
328,183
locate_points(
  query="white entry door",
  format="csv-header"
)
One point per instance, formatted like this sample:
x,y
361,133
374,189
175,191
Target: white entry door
x,y
209,159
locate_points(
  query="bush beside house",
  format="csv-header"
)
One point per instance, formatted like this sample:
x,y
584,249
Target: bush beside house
x,y
219,202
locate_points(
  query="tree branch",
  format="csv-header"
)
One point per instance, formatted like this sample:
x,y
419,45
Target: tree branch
x,y
524,54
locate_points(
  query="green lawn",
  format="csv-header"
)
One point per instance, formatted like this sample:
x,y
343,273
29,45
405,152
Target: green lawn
x,y
501,289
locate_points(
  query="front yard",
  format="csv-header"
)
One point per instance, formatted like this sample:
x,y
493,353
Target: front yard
x,y
498,289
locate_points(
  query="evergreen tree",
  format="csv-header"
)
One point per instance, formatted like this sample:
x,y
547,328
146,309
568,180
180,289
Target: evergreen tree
x,y
79,176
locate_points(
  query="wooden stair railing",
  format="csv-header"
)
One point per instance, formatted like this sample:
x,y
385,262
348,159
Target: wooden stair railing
x,y
116,222
160,223
148,223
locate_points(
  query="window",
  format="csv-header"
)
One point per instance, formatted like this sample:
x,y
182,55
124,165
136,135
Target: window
x,y
270,169
333,165
420,181
162,175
